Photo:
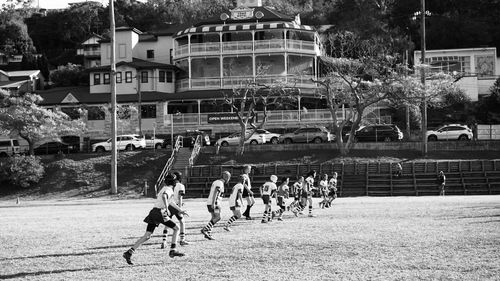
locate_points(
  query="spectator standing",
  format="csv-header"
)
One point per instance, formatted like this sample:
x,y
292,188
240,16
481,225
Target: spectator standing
x,y
441,183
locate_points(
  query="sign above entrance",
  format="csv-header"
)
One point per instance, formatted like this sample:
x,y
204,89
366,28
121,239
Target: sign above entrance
x,y
225,117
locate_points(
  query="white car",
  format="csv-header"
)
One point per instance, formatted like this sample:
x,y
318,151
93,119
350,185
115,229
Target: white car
x,y
155,143
123,142
450,132
234,139
267,136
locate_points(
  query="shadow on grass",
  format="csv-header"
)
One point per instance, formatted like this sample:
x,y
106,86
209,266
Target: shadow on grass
x,y
51,256
50,272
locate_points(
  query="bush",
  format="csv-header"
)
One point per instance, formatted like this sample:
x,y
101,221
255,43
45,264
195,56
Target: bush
x,y
22,170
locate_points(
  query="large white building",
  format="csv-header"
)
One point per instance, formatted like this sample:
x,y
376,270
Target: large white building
x,y
175,76
480,67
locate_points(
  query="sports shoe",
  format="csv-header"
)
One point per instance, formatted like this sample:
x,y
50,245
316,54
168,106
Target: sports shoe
x,y
207,235
249,218
280,219
183,243
163,245
227,228
273,214
174,253
311,215
263,221
128,257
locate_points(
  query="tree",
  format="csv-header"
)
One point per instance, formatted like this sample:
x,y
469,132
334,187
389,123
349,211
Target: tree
x,y
23,115
247,98
69,75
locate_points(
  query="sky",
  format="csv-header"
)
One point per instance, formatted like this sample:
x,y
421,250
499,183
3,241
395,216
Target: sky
x,y
57,4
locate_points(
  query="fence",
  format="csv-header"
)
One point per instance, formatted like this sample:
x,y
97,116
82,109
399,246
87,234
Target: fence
x,y
488,132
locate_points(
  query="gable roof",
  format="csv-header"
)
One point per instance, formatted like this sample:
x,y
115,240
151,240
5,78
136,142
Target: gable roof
x,y
137,64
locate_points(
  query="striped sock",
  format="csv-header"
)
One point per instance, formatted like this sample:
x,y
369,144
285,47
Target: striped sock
x,y
231,220
131,250
164,235
173,246
208,227
264,216
310,209
182,236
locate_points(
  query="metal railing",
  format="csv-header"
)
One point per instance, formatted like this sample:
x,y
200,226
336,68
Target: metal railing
x,y
170,162
196,150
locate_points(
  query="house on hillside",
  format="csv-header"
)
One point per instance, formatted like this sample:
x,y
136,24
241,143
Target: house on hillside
x,y
479,67
21,81
90,50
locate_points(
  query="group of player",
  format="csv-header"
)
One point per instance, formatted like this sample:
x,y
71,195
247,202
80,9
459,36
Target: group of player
x,y
169,202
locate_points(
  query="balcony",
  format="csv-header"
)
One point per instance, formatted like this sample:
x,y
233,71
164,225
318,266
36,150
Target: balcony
x,y
92,53
246,47
239,81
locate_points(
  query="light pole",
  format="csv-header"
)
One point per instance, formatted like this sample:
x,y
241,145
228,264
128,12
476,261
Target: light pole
x,y
114,157
424,105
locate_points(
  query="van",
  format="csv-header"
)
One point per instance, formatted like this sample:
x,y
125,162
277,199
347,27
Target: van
x,y
9,147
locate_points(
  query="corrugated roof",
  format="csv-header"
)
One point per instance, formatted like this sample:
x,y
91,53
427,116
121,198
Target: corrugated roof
x,y
270,15
23,73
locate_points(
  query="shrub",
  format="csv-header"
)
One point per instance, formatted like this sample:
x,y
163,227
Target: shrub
x,y
22,170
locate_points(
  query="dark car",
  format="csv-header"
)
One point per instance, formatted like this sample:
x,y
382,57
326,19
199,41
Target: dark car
x,y
310,134
189,137
55,147
376,133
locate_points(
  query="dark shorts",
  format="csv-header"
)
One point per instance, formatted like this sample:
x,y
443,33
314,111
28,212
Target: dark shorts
x,y
174,212
281,201
266,199
155,217
211,209
245,193
234,208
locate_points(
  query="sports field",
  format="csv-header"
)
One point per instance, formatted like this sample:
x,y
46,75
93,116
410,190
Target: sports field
x,y
398,238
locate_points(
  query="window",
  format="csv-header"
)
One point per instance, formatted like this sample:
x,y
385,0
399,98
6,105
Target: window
x,y
97,78
169,77
162,76
128,77
118,77
72,112
106,78
171,56
144,77
150,54
148,111
122,51
95,113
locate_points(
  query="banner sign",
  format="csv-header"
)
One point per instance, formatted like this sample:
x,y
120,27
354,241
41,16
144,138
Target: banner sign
x,y
225,117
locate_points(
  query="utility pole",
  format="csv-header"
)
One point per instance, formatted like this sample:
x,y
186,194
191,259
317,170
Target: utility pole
x,y
139,93
424,110
114,158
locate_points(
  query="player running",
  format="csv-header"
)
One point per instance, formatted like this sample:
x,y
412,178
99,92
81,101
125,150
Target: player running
x,y
281,196
213,203
296,206
179,190
308,189
266,191
159,214
235,202
323,190
247,191
332,187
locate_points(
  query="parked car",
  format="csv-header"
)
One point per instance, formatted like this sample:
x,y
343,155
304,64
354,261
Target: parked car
x,y
123,142
450,132
189,137
154,142
55,147
310,134
9,147
267,136
234,139
376,133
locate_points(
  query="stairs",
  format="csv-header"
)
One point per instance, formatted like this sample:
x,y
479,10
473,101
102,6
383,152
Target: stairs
x,y
182,160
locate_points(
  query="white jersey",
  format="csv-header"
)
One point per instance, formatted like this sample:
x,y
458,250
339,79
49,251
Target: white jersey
x,y
179,190
216,191
246,182
235,197
323,184
159,198
268,188
333,183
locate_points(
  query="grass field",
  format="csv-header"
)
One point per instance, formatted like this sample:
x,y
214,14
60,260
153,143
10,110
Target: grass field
x,y
398,238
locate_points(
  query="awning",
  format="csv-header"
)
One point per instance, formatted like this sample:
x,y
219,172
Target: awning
x,y
242,27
